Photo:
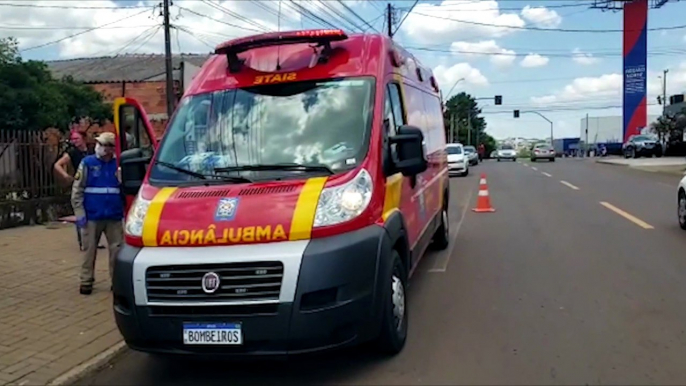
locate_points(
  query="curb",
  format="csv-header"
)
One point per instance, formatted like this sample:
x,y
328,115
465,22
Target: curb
x,y
88,366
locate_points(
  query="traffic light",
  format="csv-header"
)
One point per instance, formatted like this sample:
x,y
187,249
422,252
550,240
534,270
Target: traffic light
x,y
498,100
516,113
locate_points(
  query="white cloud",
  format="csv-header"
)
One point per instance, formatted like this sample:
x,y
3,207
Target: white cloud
x,y
447,76
113,39
583,57
534,60
430,23
606,86
607,89
541,17
498,55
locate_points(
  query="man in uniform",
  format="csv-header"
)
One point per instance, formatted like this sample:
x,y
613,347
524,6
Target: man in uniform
x,y
98,206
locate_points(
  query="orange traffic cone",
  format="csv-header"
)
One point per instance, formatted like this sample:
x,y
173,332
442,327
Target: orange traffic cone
x,y
483,202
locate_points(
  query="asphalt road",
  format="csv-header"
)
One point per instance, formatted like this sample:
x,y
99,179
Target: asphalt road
x,y
577,278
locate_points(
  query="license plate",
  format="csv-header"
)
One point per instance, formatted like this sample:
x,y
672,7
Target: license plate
x,y
212,333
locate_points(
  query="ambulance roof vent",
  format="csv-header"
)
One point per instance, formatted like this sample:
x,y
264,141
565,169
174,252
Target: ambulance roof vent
x,y
266,190
204,193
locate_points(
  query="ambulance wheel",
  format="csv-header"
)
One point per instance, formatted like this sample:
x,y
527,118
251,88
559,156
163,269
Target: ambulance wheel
x,y
441,238
394,318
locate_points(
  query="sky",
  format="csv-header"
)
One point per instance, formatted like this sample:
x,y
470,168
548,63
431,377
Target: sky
x,y
488,43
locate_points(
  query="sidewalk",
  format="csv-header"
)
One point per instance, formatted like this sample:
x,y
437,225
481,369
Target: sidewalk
x,y
46,327
667,165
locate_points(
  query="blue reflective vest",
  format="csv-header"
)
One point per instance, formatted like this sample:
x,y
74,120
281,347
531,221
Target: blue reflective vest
x,y
102,198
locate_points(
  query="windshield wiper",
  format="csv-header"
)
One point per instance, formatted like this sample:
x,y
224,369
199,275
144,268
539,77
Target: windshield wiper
x,y
181,170
200,175
283,166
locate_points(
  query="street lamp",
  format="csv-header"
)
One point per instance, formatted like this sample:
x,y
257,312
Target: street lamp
x,y
516,115
452,88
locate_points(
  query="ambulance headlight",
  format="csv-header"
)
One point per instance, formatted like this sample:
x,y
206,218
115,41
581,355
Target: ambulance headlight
x,y
341,203
136,216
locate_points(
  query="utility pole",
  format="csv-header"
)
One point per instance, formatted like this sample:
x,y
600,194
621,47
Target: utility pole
x,y
586,147
168,59
469,126
452,128
389,21
664,91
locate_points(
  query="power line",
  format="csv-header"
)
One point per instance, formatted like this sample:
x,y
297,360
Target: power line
x,y
69,6
570,5
236,15
405,17
219,21
357,15
84,32
39,28
676,27
542,53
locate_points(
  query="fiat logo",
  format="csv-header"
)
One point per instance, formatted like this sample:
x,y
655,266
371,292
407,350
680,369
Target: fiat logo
x,y
210,282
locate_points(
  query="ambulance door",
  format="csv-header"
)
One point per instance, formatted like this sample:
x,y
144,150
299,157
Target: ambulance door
x,y
136,144
396,118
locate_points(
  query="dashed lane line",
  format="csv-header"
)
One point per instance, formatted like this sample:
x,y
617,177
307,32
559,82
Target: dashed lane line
x,y
569,185
534,168
627,216
546,174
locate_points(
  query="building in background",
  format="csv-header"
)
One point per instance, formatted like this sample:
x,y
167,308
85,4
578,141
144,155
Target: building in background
x,y
607,130
137,76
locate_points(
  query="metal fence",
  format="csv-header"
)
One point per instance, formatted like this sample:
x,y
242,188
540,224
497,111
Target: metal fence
x,y
29,191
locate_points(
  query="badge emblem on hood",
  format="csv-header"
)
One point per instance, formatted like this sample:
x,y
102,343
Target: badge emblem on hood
x,y
226,209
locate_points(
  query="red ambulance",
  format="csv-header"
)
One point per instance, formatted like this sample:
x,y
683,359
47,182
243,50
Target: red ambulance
x,y
296,187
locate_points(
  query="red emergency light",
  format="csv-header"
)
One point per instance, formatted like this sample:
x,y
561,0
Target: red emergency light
x,y
321,37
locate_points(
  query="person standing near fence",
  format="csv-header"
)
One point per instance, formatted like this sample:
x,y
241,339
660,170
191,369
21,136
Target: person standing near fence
x,y
98,206
73,157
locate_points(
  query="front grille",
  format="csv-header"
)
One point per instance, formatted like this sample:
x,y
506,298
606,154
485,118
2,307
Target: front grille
x,y
254,281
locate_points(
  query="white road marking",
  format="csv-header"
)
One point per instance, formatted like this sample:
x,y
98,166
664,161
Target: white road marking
x,y
627,216
525,164
569,185
547,174
534,168
444,267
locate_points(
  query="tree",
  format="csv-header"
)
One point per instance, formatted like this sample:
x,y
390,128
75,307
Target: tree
x,y
31,99
459,108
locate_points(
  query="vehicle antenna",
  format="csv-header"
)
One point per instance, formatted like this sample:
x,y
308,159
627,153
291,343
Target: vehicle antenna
x,y
278,48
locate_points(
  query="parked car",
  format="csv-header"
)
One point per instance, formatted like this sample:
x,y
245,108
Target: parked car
x,y
542,151
457,160
507,152
681,203
641,145
472,155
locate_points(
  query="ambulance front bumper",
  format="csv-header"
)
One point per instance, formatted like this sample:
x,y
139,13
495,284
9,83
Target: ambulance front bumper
x,y
329,296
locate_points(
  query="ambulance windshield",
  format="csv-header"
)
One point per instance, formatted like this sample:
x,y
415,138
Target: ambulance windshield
x,y
313,123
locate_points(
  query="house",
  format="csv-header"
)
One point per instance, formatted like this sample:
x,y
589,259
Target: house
x,y
137,76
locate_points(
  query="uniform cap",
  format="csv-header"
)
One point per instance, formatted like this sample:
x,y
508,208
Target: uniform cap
x,y
106,139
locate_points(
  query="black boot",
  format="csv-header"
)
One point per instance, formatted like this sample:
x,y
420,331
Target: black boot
x,y
85,289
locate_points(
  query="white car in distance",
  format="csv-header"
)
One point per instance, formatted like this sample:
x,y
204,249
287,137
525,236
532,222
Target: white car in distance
x,y
457,159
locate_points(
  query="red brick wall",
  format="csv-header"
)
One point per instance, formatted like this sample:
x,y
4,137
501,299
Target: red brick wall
x,y
151,96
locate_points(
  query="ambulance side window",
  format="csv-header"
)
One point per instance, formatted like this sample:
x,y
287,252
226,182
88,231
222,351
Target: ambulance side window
x,y
393,119
133,133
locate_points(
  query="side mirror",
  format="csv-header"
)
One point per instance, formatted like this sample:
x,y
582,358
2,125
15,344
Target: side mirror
x,y
410,150
133,165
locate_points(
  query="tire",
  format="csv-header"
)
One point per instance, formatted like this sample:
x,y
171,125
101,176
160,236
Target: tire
x,y
466,173
393,333
441,238
626,153
533,160
514,159
634,154
681,209
658,154
552,160
498,159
